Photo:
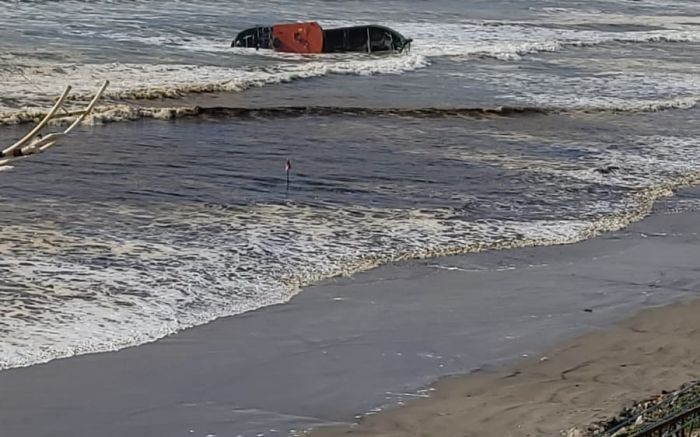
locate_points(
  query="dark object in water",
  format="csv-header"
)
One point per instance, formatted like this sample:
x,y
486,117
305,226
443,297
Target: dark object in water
x,y
608,169
311,38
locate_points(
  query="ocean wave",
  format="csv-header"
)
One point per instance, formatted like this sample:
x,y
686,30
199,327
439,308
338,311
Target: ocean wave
x,y
102,114
647,106
119,274
507,41
36,82
255,258
511,41
131,112
652,163
300,111
514,50
29,81
247,258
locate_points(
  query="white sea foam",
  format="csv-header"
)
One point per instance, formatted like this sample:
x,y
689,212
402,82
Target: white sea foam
x,y
190,43
653,162
511,41
624,88
571,16
68,292
506,41
29,82
41,80
253,258
103,114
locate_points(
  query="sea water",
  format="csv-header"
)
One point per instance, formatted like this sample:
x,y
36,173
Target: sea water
x,y
507,124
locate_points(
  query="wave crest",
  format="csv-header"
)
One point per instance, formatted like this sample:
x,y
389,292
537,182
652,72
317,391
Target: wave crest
x,y
132,112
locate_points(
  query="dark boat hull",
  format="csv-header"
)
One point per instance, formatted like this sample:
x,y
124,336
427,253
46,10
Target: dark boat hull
x,y
311,38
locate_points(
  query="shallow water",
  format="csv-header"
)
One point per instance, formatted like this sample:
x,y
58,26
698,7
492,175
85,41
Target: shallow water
x,y
508,124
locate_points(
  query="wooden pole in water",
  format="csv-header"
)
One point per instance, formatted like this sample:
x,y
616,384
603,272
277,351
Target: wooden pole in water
x,y
288,170
369,42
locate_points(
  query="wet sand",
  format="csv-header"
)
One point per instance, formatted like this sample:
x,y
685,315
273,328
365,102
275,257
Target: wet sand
x,y
576,384
346,346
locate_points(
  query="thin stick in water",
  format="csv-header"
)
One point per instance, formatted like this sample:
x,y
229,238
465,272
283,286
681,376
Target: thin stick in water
x,y
288,170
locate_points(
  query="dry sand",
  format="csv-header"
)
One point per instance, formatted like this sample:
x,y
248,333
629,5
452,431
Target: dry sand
x,y
579,382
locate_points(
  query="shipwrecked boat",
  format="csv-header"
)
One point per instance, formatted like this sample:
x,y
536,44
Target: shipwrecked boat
x,y
34,142
312,38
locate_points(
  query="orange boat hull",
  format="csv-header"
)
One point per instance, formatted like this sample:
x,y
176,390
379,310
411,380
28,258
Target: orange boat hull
x,y
298,38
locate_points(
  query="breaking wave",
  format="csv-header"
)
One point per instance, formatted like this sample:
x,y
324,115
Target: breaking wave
x,y
41,277
30,82
36,82
133,112
166,267
511,41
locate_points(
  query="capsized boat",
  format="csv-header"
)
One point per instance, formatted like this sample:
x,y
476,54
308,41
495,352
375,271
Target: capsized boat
x,y
312,38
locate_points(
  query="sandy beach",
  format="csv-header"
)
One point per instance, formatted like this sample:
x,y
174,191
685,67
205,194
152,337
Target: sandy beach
x,y
574,385
569,387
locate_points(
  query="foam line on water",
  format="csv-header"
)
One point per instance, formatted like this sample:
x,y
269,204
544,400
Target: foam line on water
x,y
92,306
137,81
107,113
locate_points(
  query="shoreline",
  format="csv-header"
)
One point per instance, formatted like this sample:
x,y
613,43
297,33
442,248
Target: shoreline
x,y
560,392
349,345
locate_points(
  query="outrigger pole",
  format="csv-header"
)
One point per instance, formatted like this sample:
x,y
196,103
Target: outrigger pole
x,y
33,143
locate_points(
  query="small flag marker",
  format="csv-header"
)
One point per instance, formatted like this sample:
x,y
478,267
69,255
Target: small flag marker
x,y
288,170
